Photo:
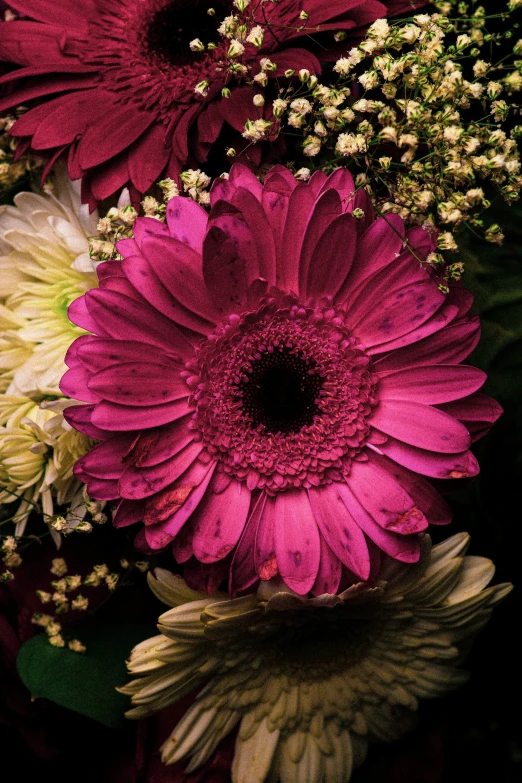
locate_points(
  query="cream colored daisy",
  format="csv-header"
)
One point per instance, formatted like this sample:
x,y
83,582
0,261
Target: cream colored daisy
x,y
311,682
44,266
38,451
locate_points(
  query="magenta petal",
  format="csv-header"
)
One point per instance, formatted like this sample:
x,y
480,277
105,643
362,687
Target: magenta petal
x,y
421,426
332,258
403,548
99,489
300,205
173,511
80,315
106,459
142,384
187,222
379,246
424,495
432,384
326,209
157,445
219,522
340,531
79,417
128,513
182,548
329,574
451,346
264,516
148,156
478,411
123,318
136,483
385,499
243,573
113,417
225,271
435,465
114,130
296,540
261,229
97,353
74,384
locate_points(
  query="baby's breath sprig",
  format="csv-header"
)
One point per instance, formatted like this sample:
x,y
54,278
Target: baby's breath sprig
x,y
11,171
418,113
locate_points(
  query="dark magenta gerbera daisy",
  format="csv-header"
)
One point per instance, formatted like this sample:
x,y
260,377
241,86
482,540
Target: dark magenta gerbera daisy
x,y
275,379
110,84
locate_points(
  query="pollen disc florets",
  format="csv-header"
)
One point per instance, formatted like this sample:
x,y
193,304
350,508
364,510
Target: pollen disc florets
x,y
283,394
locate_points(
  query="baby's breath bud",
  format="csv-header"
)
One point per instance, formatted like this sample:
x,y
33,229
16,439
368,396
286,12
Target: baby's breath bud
x,y
142,565
303,175
446,241
513,82
303,16
211,46
231,153
304,75
211,11
12,560
169,188
73,582
462,42
301,106
267,65
279,107
289,73
201,88
57,640
9,544
389,90
388,134
83,527
80,603
358,213
261,79
311,146
104,225
59,566
340,36
494,234
312,81
500,110
6,576
150,205
241,4
258,100
434,259
43,596
235,49
111,581
255,36
256,130
480,68
225,92
343,66
197,46
320,129
385,162
100,518
369,80
494,89
76,646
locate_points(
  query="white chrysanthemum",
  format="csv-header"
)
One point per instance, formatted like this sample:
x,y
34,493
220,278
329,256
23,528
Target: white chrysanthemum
x,y
44,266
311,682
38,451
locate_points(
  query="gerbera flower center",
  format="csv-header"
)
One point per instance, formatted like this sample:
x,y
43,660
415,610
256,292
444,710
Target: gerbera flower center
x,y
281,391
282,395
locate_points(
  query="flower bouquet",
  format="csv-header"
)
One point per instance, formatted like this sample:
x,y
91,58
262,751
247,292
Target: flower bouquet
x,y
239,250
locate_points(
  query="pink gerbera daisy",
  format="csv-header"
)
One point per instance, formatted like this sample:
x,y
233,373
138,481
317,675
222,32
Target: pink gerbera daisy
x,y
111,83
272,378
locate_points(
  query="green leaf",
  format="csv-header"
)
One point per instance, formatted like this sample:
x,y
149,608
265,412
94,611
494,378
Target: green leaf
x,y
83,682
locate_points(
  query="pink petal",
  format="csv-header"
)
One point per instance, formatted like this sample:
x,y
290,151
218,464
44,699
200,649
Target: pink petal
x,y
99,489
385,499
219,521
136,483
122,317
155,446
325,210
182,548
138,384
167,512
431,384
39,87
114,418
74,384
340,531
461,465
148,156
225,272
96,353
423,494
79,417
332,258
187,222
451,346
478,412
420,425
378,247
80,315
106,459
403,548
243,573
329,573
261,230
296,541
128,513
68,13
115,129
299,208
180,269
264,516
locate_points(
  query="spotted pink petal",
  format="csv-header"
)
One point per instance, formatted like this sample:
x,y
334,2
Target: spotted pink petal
x,y
296,541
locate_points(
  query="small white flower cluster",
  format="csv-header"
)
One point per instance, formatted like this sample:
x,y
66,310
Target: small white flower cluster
x,y
10,557
401,116
195,184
